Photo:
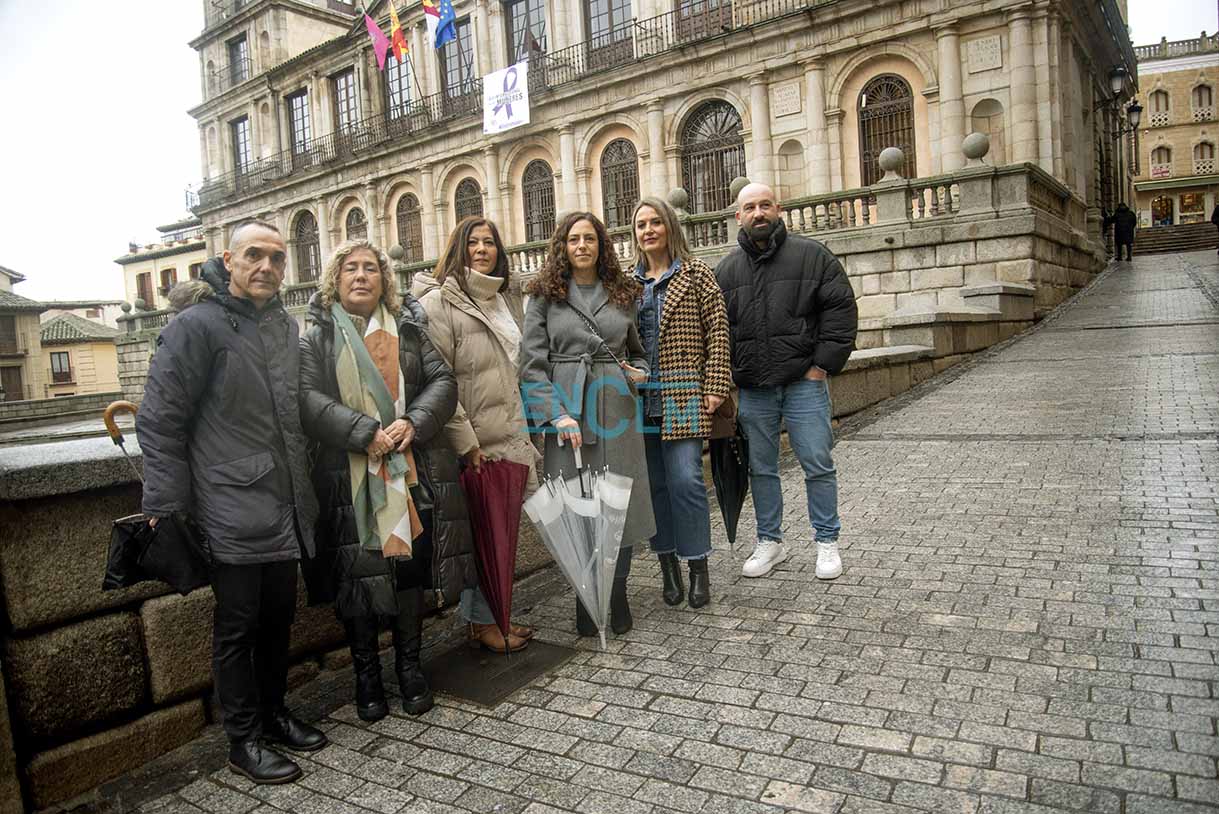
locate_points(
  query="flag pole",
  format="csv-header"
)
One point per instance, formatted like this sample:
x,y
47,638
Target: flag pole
x,y
414,76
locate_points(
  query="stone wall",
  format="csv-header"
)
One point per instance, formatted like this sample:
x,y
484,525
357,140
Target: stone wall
x,y
135,354
38,409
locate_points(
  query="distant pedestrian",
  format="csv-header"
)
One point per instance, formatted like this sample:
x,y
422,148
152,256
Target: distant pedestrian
x,y
793,319
221,436
375,395
1124,222
684,330
1215,216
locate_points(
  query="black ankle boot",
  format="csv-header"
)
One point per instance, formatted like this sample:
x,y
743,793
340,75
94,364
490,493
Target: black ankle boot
x,y
700,583
408,640
585,625
674,590
620,609
262,765
370,692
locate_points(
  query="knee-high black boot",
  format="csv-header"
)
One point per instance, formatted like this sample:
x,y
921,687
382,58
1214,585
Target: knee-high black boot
x,y
408,640
370,693
620,610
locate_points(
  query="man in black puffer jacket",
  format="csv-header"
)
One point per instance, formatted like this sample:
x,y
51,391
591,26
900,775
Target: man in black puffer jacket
x,y
220,431
792,321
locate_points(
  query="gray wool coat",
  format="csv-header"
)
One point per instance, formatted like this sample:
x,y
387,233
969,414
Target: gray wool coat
x,y
565,370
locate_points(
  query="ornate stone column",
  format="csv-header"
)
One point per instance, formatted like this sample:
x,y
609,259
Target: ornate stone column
x,y
1057,123
567,155
1069,105
818,152
427,206
1023,86
759,113
952,103
658,183
418,80
833,120
491,170
482,33
500,58
323,228
378,235
1041,69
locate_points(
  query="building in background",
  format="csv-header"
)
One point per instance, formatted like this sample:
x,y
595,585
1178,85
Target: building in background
x,y
1178,181
22,375
149,271
298,126
79,357
106,312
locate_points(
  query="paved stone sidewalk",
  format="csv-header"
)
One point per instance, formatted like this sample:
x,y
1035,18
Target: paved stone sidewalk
x,y
1026,622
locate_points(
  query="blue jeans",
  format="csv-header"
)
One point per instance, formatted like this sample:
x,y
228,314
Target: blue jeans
x,y
804,407
679,496
474,607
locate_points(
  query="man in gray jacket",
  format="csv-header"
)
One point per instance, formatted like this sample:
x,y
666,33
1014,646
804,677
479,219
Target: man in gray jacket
x,y
220,431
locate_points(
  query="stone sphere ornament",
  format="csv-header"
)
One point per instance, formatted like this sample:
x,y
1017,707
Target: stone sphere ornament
x,y
679,199
891,160
396,252
975,146
738,183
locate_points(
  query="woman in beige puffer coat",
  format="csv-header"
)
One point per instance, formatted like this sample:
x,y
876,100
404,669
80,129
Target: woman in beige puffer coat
x,y
475,324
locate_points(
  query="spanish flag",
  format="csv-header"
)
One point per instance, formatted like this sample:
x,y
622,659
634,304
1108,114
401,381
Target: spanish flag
x,y
397,38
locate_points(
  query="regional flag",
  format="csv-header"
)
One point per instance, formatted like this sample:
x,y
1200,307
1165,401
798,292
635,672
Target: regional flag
x,y
380,42
431,15
397,38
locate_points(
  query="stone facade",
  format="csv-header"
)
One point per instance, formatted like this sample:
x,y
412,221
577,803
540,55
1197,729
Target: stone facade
x,y
1178,178
793,75
149,271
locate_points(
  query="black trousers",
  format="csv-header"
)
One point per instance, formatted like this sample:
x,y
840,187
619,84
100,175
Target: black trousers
x,y
1129,250
255,606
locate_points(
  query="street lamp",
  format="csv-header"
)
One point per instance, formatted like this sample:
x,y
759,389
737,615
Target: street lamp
x,y
1117,80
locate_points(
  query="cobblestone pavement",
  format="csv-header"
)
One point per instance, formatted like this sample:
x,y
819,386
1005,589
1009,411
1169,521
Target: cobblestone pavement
x,y
1026,622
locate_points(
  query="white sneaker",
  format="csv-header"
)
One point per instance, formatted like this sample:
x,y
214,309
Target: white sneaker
x,y
766,555
829,564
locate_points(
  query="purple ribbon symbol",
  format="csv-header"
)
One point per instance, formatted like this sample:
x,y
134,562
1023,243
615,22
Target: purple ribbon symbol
x,y
510,80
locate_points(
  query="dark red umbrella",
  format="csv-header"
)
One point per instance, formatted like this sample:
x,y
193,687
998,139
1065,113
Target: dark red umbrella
x,y
495,495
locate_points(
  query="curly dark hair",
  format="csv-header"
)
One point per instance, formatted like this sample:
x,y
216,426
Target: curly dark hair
x,y
551,281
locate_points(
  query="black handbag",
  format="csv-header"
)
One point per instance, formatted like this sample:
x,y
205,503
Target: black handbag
x,y
175,552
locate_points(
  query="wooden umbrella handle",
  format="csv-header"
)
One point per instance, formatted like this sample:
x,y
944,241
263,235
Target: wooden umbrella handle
x,y
112,426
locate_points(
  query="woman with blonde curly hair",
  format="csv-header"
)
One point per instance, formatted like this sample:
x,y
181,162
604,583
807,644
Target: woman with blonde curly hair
x,y
581,360
375,395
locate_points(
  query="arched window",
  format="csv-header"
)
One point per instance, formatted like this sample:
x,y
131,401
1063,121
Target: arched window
x,y
1204,158
537,192
410,227
467,200
712,154
1158,115
886,119
357,224
1161,155
1203,97
987,118
619,182
308,250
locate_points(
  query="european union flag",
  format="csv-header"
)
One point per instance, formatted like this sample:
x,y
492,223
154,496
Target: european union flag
x,y
446,29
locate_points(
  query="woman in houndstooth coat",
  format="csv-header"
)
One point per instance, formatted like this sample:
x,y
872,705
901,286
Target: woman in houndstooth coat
x,y
684,329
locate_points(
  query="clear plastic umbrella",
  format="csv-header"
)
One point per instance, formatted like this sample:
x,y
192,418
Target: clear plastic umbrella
x,y
580,521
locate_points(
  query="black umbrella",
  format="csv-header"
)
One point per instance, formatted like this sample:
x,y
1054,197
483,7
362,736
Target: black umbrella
x,y
174,552
730,472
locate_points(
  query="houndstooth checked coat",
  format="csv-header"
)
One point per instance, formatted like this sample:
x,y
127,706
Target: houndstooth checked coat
x,y
693,351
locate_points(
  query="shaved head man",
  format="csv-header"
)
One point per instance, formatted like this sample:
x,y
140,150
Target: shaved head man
x,y
792,321
223,446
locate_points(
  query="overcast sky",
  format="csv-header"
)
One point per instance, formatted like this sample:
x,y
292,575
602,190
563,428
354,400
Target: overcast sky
x,y
97,148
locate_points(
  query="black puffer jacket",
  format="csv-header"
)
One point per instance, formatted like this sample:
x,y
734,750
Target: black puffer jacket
x,y
220,428
361,582
790,307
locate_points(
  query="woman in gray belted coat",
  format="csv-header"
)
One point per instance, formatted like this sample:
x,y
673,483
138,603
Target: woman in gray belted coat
x,y
580,361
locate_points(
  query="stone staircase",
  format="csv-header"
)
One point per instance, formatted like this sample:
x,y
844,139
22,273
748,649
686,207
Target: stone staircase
x,y
1185,237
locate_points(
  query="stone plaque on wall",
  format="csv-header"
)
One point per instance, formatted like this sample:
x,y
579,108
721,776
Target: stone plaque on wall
x,y
985,54
785,99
